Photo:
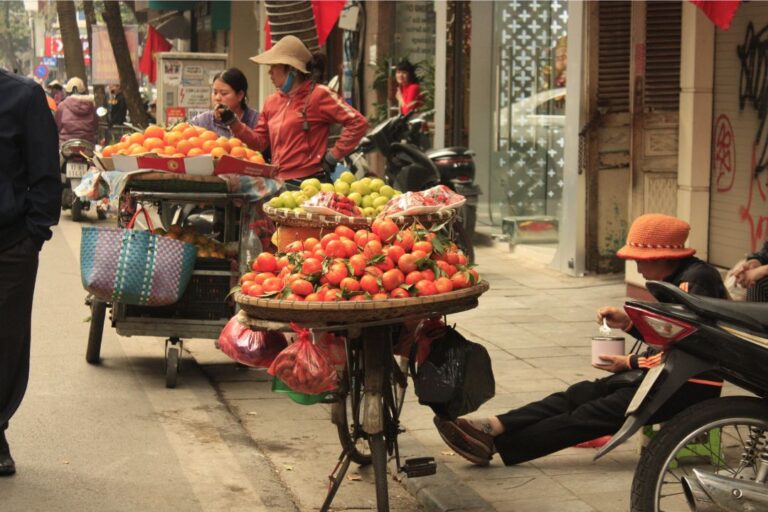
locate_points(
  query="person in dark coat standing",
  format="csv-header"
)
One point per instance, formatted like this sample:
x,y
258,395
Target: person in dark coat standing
x,y
30,203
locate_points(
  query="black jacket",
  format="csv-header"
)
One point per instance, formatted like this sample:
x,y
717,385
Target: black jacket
x,y
30,182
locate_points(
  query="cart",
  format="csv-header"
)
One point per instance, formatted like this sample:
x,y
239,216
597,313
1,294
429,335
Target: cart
x,y
366,407
204,308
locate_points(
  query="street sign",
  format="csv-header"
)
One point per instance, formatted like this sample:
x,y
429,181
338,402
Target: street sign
x,y
50,61
41,71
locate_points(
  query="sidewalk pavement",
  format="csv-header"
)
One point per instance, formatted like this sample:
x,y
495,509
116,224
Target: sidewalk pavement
x,y
536,324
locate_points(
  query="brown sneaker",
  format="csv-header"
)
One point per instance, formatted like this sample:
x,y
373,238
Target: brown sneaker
x,y
462,443
479,435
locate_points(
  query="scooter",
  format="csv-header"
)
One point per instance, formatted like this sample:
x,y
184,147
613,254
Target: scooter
x,y
408,168
75,154
712,456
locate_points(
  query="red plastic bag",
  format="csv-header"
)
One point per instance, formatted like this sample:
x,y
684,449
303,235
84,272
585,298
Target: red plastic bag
x,y
421,332
249,347
303,367
334,348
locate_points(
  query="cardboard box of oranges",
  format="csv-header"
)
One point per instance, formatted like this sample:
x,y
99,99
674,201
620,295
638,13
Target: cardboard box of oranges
x,y
184,149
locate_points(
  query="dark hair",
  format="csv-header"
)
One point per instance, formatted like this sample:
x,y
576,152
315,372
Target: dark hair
x,y
410,69
235,78
316,67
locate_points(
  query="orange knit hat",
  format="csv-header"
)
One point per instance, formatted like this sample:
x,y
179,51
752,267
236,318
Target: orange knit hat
x,y
654,236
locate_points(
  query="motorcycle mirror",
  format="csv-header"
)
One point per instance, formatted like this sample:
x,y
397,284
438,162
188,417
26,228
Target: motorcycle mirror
x,y
101,111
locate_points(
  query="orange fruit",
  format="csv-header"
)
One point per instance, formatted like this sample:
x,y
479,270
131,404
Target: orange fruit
x,y
138,150
189,132
183,147
218,152
224,143
208,135
153,142
249,153
208,145
169,150
124,138
154,131
237,152
181,127
107,151
257,158
200,130
178,155
136,138
157,151
195,152
172,138
234,142
196,142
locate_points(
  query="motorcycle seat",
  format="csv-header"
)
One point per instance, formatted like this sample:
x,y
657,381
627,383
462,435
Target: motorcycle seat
x,y
752,315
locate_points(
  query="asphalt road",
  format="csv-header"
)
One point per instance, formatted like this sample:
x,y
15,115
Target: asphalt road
x,y
112,437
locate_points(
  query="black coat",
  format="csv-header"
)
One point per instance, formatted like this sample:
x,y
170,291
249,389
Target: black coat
x,y
30,182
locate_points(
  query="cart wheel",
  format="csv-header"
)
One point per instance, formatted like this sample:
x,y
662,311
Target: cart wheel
x,y
379,456
171,367
98,312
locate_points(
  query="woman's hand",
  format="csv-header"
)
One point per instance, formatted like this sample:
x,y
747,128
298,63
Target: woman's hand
x,y
615,318
613,364
399,97
742,268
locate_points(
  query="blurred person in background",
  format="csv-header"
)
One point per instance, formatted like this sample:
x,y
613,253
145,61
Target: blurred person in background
x,y
408,93
118,109
76,116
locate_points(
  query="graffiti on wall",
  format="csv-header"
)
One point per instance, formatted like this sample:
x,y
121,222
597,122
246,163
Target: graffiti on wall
x,y
753,87
757,202
725,154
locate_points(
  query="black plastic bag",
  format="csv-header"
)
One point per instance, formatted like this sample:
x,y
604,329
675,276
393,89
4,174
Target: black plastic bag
x,y
456,378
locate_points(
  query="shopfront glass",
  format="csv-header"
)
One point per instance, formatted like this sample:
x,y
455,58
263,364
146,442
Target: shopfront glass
x,y
529,118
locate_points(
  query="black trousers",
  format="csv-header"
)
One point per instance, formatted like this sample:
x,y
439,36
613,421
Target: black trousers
x,y
18,271
585,411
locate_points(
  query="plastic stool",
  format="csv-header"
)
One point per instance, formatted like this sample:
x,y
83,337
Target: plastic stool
x,y
710,448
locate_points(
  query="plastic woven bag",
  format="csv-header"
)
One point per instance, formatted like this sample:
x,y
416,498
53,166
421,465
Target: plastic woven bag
x,y
304,367
134,267
249,347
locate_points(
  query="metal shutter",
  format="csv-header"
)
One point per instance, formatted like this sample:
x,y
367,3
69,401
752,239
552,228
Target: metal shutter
x,y
662,60
613,57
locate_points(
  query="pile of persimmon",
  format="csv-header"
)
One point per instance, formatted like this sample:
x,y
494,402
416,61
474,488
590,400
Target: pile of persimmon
x,y
180,141
382,263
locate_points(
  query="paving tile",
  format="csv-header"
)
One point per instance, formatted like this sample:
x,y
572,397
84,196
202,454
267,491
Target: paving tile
x,y
543,505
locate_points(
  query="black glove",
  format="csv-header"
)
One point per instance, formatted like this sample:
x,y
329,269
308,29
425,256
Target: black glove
x,y
227,116
329,162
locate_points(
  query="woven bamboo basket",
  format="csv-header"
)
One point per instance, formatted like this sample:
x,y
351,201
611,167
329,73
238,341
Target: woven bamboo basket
x,y
359,311
283,217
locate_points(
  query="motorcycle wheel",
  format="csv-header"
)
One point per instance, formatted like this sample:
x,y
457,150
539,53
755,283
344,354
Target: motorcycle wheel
x,y
717,431
77,210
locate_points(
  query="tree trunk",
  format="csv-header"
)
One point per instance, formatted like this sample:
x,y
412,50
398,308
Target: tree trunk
x,y
70,37
128,80
99,94
292,18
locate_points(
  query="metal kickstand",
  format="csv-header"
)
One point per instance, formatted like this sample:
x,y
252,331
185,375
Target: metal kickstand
x,y
335,478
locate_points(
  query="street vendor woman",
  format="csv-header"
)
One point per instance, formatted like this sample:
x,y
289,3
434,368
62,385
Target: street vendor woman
x,y
590,409
230,89
295,121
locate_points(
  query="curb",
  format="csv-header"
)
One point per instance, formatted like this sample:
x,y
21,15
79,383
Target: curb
x,y
443,491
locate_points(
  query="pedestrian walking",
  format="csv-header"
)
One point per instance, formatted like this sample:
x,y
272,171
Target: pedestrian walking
x,y
30,192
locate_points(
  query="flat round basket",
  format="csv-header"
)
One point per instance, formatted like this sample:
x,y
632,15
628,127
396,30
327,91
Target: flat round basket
x,y
359,311
284,217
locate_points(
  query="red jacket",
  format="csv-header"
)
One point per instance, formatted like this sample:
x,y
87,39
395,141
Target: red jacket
x,y
297,152
411,94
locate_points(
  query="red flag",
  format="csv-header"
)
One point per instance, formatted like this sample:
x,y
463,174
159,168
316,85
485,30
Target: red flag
x,y
721,12
326,13
155,43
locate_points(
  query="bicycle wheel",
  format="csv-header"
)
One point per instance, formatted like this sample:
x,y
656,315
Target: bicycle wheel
x,y
379,456
348,412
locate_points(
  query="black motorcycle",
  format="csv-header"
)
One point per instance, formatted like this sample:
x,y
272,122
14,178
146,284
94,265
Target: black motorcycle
x,y
410,169
712,456
75,155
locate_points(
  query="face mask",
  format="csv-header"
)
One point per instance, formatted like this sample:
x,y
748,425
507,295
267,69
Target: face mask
x,y
288,82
